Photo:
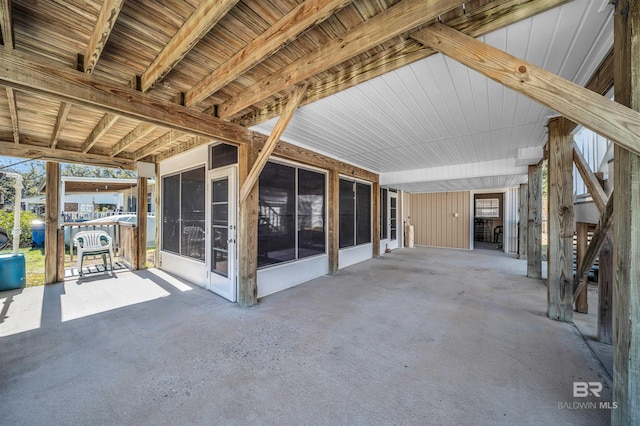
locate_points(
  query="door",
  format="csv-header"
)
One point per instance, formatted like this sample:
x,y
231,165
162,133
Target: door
x,y
222,233
393,220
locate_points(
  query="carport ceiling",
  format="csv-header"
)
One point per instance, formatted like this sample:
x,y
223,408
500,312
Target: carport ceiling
x,y
377,98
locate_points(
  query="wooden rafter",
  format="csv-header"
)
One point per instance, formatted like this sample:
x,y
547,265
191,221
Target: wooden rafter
x,y
6,24
595,112
167,138
67,156
393,21
590,179
281,125
101,128
302,17
142,130
63,113
24,72
13,111
473,23
106,20
205,17
603,229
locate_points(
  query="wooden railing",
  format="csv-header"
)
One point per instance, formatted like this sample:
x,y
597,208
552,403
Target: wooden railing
x,y
124,236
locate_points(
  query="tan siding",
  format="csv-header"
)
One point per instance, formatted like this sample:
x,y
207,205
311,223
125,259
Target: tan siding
x,y
432,215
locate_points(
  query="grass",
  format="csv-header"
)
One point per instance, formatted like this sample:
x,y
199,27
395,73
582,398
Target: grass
x,y
34,259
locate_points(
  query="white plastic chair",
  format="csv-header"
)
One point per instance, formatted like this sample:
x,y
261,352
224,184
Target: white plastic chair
x,y
91,243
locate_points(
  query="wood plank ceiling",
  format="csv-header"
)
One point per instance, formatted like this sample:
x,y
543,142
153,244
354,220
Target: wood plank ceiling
x,y
376,97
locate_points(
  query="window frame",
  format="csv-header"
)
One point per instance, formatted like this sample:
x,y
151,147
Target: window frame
x,y
353,180
179,173
297,166
486,208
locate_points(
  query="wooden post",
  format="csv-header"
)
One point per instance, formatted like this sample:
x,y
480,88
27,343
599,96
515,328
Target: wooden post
x,y
158,215
582,229
605,292
52,222
334,221
626,223
141,241
376,219
534,223
523,210
248,232
560,261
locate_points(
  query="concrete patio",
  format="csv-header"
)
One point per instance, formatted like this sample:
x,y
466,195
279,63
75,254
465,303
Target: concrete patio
x,y
419,336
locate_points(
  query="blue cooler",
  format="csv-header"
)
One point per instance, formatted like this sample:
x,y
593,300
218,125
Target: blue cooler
x,y
37,233
13,271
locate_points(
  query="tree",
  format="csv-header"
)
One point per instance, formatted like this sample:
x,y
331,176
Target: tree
x,y
100,172
33,176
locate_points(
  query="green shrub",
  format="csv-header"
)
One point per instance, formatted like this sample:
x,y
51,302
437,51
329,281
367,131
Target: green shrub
x,y
6,222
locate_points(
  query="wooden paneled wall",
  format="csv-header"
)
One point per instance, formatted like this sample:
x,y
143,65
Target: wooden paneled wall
x,y
434,218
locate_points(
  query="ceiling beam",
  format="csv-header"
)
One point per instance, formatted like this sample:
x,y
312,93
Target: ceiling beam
x,y
304,16
63,113
13,112
294,101
101,128
141,130
205,17
604,116
6,24
106,20
474,23
392,22
45,153
169,137
36,75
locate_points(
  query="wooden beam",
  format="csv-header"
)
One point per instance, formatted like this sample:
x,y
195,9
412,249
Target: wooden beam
x,y
523,210
52,222
593,111
201,21
599,235
560,272
63,113
601,81
626,285
534,223
65,156
101,128
248,231
582,232
334,222
605,292
268,148
6,24
473,23
141,130
106,20
141,217
304,16
590,179
13,112
393,21
35,75
169,137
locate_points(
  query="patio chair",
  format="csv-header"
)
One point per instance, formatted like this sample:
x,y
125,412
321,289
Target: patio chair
x,y
92,243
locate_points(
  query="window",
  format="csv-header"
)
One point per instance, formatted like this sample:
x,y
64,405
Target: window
x,y
291,222
487,207
383,213
355,213
183,219
222,154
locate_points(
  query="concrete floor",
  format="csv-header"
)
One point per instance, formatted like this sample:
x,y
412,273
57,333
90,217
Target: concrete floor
x,y
420,336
